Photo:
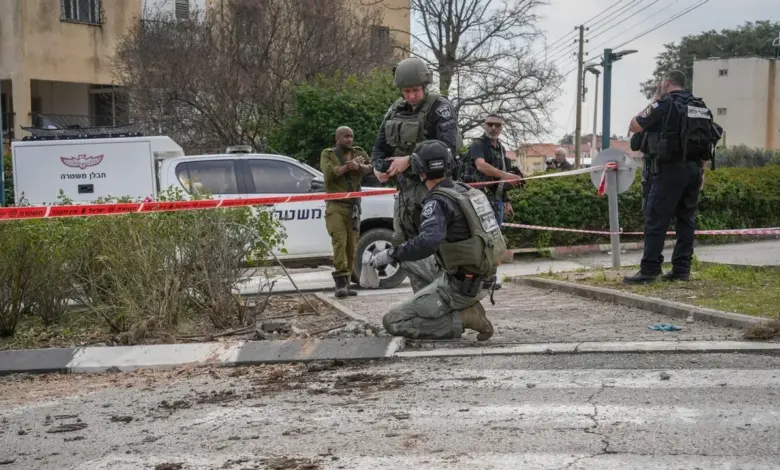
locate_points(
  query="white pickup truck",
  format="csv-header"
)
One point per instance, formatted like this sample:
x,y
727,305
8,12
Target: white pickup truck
x,y
141,167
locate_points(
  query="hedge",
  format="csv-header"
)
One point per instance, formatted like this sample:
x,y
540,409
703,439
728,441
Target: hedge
x,y
134,274
732,198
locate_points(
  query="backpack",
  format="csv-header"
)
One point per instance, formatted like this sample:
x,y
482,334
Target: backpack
x,y
698,134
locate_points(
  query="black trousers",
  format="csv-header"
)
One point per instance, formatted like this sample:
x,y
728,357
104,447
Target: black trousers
x,y
674,192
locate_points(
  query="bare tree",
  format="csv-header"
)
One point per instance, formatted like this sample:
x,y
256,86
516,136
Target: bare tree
x,y
224,76
480,51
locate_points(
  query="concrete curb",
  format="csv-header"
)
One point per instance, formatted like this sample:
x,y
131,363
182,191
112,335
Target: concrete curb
x,y
667,307
563,251
341,308
603,347
164,356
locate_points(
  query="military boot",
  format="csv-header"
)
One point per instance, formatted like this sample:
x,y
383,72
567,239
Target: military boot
x,y
676,276
640,278
342,284
350,291
474,318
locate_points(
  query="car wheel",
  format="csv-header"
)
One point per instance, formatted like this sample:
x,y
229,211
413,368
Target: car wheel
x,y
373,241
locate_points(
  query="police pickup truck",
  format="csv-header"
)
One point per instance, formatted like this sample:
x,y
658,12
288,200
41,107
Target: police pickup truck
x,y
140,167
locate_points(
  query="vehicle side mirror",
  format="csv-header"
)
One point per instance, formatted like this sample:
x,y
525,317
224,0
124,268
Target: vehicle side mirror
x,y
317,186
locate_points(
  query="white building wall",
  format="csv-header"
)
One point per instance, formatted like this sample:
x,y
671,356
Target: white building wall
x,y
737,92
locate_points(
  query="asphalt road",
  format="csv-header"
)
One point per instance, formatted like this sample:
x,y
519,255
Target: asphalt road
x,y
549,412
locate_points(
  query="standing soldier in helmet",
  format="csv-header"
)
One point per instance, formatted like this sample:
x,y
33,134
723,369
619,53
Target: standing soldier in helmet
x,y
460,229
419,115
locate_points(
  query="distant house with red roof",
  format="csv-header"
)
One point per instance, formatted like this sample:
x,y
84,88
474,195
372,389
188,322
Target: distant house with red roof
x,y
531,157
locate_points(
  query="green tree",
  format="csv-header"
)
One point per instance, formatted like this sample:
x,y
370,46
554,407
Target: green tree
x,y
749,39
326,103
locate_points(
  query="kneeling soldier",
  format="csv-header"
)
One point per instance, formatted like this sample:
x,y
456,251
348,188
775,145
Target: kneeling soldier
x,y
459,227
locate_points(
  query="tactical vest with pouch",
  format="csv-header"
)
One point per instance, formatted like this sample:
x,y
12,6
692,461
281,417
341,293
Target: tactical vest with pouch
x,y
482,253
403,131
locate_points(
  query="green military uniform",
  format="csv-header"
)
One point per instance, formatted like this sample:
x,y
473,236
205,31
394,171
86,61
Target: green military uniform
x,y
342,217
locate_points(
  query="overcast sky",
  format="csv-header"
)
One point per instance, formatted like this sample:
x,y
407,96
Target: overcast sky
x,y
561,17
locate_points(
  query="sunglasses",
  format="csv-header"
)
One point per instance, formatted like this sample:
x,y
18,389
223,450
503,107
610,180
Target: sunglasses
x,y
497,125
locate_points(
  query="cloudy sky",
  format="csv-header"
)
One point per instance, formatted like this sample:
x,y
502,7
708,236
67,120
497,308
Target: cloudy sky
x,y
561,17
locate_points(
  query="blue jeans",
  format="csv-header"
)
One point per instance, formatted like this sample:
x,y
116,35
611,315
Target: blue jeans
x,y
500,212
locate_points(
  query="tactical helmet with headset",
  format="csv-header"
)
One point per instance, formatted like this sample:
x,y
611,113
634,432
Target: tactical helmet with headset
x,y
432,158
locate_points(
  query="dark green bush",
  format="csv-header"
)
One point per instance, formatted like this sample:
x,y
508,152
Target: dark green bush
x,y
732,198
9,180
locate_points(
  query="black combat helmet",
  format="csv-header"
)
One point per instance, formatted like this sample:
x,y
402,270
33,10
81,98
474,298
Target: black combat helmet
x,y
432,158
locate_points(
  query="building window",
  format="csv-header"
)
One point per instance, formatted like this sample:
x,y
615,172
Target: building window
x,y
723,72
380,40
182,9
721,111
82,11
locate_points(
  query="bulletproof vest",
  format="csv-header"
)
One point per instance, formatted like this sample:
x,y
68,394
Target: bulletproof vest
x,y
688,131
403,131
483,251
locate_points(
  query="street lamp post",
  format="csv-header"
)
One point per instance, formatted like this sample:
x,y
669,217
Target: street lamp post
x,y
608,60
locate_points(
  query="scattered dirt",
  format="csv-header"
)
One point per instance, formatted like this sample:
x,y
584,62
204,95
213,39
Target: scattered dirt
x,y
765,331
168,466
288,463
286,316
71,427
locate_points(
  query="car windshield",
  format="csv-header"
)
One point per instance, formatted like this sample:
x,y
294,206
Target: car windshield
x,y
313,170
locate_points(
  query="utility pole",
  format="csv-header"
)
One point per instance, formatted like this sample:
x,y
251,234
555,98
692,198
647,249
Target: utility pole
x,y
580,98
608,59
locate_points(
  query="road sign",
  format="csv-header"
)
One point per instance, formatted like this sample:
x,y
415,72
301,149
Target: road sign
x,y
627,167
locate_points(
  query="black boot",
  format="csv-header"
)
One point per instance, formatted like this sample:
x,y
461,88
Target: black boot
x,y
640,278
342,284
350,287
676,276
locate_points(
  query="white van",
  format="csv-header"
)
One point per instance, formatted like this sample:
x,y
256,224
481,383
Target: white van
x,y
140,167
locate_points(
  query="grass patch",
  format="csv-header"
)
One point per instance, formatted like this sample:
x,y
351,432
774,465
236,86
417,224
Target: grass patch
x,y
748,290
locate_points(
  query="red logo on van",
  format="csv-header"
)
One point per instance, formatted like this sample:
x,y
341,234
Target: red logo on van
x,y
82,161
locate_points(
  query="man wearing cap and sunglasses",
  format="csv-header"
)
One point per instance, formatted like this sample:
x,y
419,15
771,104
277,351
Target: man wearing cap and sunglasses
x,y
487,161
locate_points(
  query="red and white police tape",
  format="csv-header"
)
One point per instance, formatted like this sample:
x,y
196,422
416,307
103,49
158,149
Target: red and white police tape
x,y
85,210
743,231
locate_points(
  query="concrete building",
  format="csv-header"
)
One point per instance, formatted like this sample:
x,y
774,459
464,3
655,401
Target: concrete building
x,y
55,56
54,59
744,96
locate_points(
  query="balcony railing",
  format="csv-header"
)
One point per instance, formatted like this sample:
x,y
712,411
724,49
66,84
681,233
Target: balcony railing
x,y
59,126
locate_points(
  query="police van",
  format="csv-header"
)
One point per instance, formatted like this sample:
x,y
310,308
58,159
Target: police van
x,y
140,167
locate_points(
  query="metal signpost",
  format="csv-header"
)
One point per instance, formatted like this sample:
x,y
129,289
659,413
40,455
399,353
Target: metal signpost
x,y
618,181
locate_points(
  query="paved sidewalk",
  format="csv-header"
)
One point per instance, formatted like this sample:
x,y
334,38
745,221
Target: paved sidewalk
x,y
762,253
524,315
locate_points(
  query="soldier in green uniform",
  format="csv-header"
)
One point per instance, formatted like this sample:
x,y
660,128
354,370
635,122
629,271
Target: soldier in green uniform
x,y
460,229
420,114
343,166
